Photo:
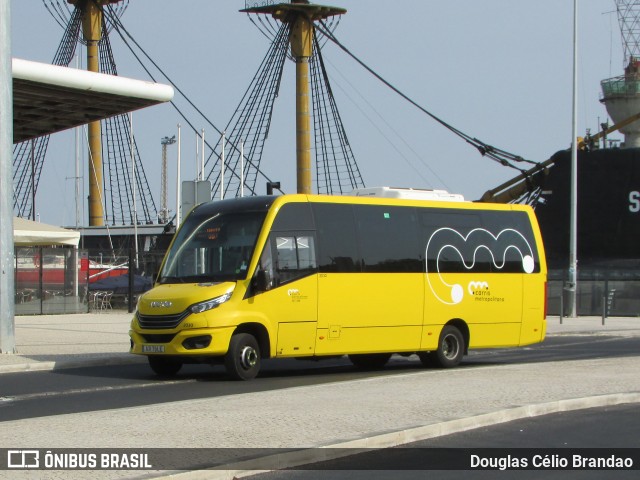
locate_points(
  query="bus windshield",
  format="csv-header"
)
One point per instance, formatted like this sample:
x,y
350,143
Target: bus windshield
x,y
214,248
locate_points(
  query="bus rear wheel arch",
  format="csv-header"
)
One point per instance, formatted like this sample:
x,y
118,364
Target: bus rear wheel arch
x,y
451,348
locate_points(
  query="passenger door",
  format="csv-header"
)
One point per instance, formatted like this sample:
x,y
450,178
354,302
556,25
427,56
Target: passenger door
x,y
290,302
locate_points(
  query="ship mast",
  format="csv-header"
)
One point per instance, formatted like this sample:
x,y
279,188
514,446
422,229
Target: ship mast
x,y
92,33
300,15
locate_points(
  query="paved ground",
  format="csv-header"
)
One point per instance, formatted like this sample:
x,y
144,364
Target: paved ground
x,y
373,412
45,342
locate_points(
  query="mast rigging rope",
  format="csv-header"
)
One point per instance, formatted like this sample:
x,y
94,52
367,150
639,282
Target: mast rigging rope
x,y
501,156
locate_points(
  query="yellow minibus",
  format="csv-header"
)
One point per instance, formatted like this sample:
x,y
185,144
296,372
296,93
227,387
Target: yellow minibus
x,y
312,276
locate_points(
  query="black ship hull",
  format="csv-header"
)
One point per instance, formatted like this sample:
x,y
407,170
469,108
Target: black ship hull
x,y
608,233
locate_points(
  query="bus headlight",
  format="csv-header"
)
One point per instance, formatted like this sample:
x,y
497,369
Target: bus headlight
x,y
210,304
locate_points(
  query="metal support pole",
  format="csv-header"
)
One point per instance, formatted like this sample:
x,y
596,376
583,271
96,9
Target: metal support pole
x,y
41,288
163,217
222,167
242,169
77,132
33,180
7,268
605,301
130,302
573,226
133,190
202,157
164,188
178,184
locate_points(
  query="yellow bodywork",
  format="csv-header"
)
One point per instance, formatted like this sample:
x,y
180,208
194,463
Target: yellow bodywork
x,y
345,313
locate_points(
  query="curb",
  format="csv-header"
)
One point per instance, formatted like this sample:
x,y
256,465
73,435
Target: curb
x,y
67,364
402,437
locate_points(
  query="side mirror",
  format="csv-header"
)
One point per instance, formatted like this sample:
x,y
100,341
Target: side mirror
x,y
260,282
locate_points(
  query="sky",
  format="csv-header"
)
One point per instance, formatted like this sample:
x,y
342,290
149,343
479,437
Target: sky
x,y
498,70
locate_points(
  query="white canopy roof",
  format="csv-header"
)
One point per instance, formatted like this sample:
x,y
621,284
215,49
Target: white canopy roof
x,y
50,98
27,233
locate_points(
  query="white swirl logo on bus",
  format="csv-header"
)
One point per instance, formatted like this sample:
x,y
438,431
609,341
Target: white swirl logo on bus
x,y
450,246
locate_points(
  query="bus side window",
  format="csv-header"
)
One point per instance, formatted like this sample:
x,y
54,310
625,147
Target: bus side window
x,y
306,253
287,255
337,240
295,257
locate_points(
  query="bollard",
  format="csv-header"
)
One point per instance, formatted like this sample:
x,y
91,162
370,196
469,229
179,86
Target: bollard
x,y
605,296
561,306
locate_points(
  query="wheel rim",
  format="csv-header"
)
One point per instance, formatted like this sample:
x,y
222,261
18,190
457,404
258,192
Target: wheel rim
x,y
450,347
248,357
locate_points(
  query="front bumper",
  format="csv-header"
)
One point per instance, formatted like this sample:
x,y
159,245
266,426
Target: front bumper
x,y
181,343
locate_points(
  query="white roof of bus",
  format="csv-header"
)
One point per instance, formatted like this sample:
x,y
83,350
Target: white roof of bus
x,y
408,194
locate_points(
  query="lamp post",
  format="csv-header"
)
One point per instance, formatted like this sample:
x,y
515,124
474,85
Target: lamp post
x,y
572,289
7,281
164,195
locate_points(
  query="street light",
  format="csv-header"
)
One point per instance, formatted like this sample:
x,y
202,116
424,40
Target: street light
x,y
164,195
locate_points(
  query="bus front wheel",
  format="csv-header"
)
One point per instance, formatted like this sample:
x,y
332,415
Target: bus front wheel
x,y
242,361
450,349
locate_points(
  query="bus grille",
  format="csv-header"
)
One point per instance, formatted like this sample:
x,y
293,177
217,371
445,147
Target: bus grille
x,y
159,337
157,322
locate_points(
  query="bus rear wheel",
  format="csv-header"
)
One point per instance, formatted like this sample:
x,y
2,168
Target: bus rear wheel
x,y
370,361
450,350
242,361
164,366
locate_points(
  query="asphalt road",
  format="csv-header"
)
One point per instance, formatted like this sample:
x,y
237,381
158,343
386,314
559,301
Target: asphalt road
x,y
110,387
567,432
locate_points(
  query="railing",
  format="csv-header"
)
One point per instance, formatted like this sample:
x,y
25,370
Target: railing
x,y
262,3
50,281
64,280
620,86
606,293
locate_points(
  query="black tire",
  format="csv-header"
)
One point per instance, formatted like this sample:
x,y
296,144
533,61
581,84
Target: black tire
x,y
242,361
164,366
370,361
450,351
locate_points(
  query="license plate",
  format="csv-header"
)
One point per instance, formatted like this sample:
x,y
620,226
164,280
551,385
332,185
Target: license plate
x,y
152,348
